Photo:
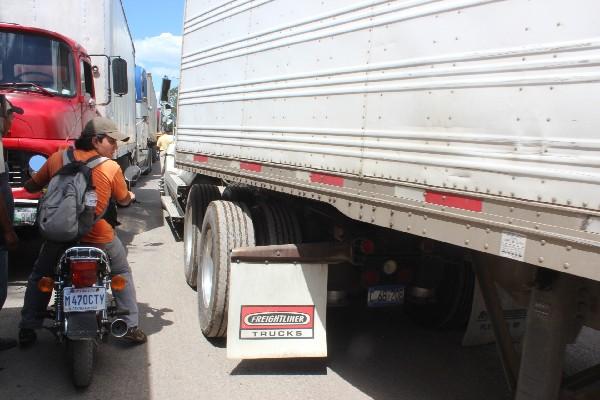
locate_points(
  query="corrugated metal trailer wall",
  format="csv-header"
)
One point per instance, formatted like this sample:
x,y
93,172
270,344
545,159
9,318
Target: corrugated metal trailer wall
x,y
387,104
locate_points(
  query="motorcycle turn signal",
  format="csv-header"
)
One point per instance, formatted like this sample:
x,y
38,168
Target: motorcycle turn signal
x,y
118,283
46,284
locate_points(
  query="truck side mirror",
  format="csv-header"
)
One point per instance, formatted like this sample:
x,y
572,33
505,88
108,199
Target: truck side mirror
x,y
164,89
119,72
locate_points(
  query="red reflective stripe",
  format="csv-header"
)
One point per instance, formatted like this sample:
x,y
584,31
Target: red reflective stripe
x,y
327,179
452,200
22,194
200,158
251,166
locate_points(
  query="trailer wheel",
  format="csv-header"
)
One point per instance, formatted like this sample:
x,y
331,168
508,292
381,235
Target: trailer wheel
x,y
452,305
148,163
226,226
239,192
198,199
275,223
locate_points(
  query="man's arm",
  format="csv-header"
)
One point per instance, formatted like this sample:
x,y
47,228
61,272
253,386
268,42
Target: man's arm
x,y
42,177
32,186
127,200
122,196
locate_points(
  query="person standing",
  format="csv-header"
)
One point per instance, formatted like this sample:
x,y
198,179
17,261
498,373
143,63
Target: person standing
x,y
99,137
163,144
8,239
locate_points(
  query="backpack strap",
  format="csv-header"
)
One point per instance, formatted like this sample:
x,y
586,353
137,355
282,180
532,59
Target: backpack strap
x,y
68,156
91,163
95,161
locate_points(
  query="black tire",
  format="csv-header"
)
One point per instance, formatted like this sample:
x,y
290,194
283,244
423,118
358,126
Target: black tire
x,y
148,164
454,297
239,192
82,356
226,226
199,197
275,223
124,161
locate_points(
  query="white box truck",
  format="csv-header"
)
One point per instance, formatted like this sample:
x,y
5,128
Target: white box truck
x,y
146,118
444,142
100,26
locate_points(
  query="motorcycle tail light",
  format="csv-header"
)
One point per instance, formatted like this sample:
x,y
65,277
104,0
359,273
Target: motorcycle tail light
x,y
45,285
118,283
83,273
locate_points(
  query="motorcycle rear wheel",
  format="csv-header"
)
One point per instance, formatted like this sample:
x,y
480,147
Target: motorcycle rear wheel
x,y
82,355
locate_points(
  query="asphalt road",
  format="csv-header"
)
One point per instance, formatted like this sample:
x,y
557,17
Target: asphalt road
x,y
377,355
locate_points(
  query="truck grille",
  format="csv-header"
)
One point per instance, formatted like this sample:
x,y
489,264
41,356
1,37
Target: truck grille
x,y
18,167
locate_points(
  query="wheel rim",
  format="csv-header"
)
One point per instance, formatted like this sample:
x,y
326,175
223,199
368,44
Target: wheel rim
x,y
187,236
207,268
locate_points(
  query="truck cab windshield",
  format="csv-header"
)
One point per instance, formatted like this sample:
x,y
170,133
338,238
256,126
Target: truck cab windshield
x,y
36,63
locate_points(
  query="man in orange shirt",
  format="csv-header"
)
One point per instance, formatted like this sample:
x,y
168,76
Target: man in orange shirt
x,y
99,137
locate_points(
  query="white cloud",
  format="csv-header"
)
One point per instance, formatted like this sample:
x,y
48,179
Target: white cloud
x,y
162,49
160,55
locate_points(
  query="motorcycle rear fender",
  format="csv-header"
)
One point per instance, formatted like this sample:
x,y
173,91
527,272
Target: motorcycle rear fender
x,y
81,325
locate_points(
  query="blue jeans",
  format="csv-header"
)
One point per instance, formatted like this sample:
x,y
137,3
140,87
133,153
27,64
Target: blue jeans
x,y
3,276
6,192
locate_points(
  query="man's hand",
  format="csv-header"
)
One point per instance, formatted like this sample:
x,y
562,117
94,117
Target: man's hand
x,y
11,239
127,201
32,187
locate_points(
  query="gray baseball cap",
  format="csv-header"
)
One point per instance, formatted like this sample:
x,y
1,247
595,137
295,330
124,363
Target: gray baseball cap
x,y
103,126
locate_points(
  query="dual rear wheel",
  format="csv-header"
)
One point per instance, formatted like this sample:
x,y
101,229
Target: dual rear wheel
x,y
213,228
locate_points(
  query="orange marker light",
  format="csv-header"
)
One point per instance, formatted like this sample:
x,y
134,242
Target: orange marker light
x,y
118,283
46,284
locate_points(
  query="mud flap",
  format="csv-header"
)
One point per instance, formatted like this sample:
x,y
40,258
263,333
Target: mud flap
x,y
479,329
277,310
81,325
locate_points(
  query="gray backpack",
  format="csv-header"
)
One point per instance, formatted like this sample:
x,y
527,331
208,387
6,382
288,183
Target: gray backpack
x,y
67,209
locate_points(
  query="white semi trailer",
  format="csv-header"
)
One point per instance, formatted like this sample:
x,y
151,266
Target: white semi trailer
x,y
146,118
100,26
445,142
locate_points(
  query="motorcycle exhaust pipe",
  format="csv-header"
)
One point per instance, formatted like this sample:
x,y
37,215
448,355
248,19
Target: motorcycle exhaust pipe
x,y
118,328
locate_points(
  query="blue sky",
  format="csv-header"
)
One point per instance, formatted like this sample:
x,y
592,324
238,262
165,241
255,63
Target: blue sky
x,y
156,27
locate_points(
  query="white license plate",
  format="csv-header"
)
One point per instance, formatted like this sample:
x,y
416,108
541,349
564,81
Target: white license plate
x,y
389,295
84,299
25,216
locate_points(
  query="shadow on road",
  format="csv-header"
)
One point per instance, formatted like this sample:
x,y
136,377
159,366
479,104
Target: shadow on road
x,y
153,319
306,366
385,355
141,216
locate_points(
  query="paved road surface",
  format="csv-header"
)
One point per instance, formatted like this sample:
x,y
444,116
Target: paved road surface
x,y
376,355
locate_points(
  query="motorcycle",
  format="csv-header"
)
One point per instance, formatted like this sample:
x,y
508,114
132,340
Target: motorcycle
x,y
84,312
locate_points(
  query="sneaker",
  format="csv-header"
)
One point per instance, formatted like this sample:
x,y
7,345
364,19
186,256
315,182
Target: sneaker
x,y
6,344
135,335
27,337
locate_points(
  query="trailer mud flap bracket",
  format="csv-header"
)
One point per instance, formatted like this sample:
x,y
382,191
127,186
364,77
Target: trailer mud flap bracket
x,y
277,310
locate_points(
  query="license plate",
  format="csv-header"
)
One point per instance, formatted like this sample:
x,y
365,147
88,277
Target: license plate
x,y
84,299
382,296
25,216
